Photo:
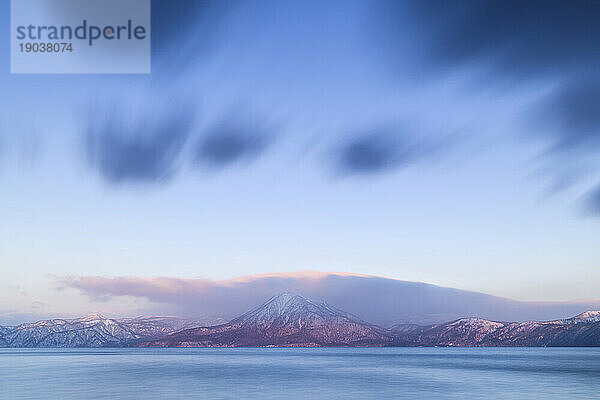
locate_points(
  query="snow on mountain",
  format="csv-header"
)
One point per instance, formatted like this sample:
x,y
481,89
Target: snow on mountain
x,y
581,330
92,330
291,320
462,332
292,310
284,320
588,316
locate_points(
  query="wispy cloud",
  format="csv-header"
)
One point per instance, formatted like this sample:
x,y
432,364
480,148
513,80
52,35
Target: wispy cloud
x,y
233,139
572,111
592,201
542,42
569,123
381,149
139,149
185,32
542,36
373,153
20,142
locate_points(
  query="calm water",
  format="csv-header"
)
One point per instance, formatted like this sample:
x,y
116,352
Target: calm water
x,y
303,373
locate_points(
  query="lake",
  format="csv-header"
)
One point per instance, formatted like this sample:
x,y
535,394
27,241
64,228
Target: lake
x,y
324,373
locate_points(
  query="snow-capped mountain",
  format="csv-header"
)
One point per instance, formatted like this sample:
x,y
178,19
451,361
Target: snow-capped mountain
x,y
291,311
581,330
284,320
93,330
291,320
588,316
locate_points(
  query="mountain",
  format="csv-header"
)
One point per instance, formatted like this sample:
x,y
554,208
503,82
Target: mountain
x,y
284,320
292,320
581,330
289,320
92,330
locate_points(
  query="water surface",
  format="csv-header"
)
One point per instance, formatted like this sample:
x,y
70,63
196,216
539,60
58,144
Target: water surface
x,y
325,373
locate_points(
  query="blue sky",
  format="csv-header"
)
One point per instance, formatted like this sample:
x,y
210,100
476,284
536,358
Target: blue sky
x,y
385,138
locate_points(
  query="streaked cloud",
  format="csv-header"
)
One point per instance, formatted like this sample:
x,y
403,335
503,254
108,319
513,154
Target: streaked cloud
x,y
573,112
142,149
592,201
233,139
20,142
510,37
569,122
511,44
381,149
185,32
372,153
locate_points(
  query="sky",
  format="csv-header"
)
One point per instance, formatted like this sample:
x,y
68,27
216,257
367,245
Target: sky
x,y
450,142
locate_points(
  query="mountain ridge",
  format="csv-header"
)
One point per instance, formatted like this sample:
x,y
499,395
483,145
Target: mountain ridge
x,y
291,320
582,330
91,330
286,320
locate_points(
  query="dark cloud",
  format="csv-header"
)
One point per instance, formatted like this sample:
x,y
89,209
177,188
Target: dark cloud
x,y
592,201
382,149
548,40
554,40
569,119
142,150
375,299
516,37
574,113
230,141
173,20
373,153
184,32
516,42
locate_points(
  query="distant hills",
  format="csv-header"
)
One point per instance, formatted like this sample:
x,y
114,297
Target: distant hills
x,y
581,330
290,320
93,330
